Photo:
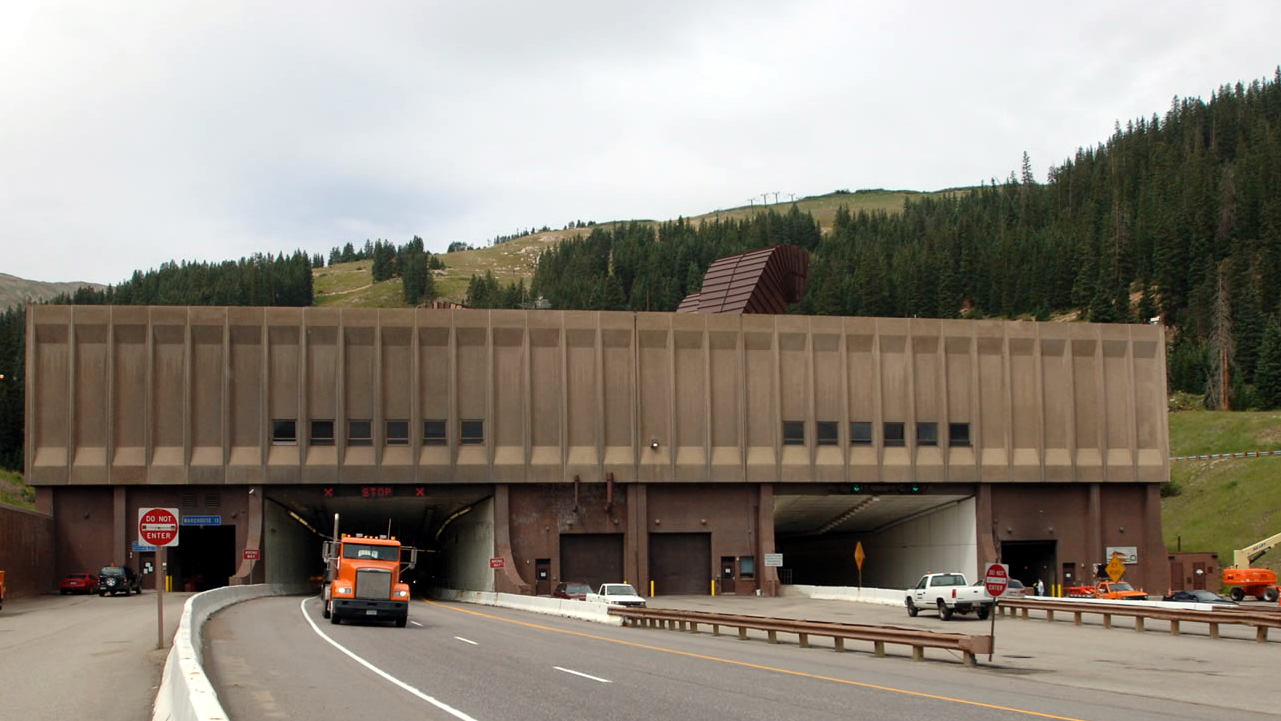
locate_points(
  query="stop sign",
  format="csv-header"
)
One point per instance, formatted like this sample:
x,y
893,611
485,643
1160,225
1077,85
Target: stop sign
x,y
996,579
158,526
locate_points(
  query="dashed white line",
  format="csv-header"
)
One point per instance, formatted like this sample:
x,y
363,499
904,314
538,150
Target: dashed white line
x,y
464,640
579,673
438,704
417,624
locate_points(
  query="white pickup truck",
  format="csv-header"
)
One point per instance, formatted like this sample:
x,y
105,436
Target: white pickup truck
x,y
949,593
617,594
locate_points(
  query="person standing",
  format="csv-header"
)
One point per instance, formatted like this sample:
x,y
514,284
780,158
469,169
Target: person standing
x,y
1040,587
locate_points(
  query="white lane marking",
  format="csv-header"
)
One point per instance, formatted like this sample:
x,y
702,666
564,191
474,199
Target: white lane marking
x,y
460,638
417,624
438,704
579,673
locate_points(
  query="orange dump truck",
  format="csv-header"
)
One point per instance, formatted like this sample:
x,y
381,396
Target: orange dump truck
x,y
363,578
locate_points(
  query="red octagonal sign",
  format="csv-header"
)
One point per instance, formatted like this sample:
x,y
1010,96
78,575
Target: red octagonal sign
x,y
996,579
158,526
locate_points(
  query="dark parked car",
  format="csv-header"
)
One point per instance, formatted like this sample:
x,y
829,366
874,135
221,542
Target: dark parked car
x,y
575,591
78,583
1198,596
118,579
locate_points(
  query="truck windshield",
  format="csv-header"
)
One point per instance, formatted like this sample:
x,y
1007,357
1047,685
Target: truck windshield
x,y
370,552
1122,587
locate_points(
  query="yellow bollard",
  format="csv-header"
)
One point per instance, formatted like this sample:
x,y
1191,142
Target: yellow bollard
x,y
713,587
651,589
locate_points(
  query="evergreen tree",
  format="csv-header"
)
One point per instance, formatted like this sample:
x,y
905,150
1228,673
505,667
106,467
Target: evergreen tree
x,y
1267,375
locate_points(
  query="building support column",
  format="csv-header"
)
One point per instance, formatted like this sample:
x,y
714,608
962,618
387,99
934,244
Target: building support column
x,y
636,540
506,579
765,540
1153,556
986,530
248,571
1094,522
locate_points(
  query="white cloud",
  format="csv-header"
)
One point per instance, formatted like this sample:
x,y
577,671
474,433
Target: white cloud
x,y
140,133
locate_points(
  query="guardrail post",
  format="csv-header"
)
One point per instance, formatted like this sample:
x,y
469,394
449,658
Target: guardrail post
x,y
1107,620
1049,615
1174,627
1138,623
742,632
1261,634
1076,618
773,636
716,629
918,653
1214,630
693,627
1025,613
969,659
838,643
878,647
805,640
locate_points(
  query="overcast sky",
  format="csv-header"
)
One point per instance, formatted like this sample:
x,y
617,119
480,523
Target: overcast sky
x,y
133,133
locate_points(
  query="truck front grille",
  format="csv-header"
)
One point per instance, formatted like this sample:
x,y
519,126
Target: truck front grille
x,y
373,583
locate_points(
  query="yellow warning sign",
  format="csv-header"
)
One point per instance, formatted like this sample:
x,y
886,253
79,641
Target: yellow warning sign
x,y
1115,569
858,555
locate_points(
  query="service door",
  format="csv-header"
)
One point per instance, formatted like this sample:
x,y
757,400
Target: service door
x,y
680,563
726,584
592,558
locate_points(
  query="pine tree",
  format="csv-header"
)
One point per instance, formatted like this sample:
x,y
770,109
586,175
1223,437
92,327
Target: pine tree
x,y
1267,374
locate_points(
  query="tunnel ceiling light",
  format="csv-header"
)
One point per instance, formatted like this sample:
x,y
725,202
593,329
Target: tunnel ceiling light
x,y
847,515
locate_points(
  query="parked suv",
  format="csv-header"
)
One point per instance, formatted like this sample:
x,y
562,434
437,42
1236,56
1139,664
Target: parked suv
x,y
117,579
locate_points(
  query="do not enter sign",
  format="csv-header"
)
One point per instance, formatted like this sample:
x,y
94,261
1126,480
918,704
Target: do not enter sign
x,y
996,579
158,526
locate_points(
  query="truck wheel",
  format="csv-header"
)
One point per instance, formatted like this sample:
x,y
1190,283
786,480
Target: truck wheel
x,y
945,613
324,610
1237,593
1270,595
911,608
401,621
333,618
984,612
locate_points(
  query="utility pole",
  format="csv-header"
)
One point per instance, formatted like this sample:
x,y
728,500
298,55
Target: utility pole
x,y
792,196
775,197
764,198
752,201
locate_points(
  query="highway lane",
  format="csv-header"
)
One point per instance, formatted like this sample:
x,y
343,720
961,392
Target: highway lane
x,y
267,660
70,657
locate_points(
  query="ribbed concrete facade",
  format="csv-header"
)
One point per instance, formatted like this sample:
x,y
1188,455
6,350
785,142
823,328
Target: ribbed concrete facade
x,y
738,408
129,395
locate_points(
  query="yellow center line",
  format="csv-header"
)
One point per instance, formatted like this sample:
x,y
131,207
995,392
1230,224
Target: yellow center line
x,y
744,664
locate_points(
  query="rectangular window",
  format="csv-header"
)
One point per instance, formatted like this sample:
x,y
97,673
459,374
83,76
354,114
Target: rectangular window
x,y
894,434
322,433
397,433
793,433
747,567
284,432
826,432
927,434
360,433
471,433
958,434
433,433
860,433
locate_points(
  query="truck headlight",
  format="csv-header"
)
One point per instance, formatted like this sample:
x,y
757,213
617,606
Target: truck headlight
x,y
344,589
402,594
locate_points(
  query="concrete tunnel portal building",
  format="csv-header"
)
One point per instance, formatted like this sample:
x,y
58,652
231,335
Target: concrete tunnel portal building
x,y
677,449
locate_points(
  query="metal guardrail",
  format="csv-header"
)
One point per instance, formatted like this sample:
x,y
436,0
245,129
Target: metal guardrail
x,y
968,646
1260,619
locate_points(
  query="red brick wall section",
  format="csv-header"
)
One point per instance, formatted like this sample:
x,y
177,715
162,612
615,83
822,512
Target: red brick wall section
x,y
26,552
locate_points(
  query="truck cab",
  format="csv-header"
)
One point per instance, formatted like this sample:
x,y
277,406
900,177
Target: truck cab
x,y
363,579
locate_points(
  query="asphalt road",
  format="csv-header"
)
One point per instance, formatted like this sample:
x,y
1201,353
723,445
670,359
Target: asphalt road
x,y
276,658
68,657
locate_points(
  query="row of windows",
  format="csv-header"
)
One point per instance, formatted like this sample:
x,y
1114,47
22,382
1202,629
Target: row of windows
x,y
894,433
284,432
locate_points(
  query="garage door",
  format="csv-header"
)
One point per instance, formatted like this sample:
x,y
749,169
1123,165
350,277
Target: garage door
x,y
592,558
680,563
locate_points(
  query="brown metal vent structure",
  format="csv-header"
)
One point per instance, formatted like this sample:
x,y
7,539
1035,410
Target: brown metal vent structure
x,y
758,281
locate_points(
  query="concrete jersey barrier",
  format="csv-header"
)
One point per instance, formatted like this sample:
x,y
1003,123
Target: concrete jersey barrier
x,y
185,693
